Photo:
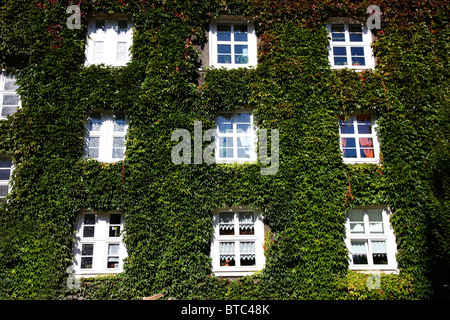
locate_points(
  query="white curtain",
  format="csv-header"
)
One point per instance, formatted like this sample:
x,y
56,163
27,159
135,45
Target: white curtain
x,y
246,220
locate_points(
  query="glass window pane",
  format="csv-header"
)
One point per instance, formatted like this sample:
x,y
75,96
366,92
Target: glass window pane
x,y
243,142
226,250
243,128
226,223
98,50
240,59
224,48
89,219
94,142
241,49
357,51
354,37
340,61
243,117
379,258
3,190
114,231
113,249
113,262
121,51
358,61
88,231
358,246
122,25
86,262
359,258
223,58
7,111
379,246
337,32
10,84
10,100
87,249
246,223
247,253
115,218
226,153
223,32
240,32
339,51
347,126
355,28
225,122
364,124
100,24
4,174
225,142
348,142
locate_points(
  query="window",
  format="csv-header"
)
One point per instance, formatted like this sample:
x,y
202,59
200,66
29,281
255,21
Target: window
x,y
236,137
370,239
237,244
5,173
350,46
105,140
358,137
109,40
98,247
232,43
9,100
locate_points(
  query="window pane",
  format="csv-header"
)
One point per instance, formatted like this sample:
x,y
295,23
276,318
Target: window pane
x,y
115,218
241,49
243,128
225,123
364,124
226,223
247,253
340,51
340,61
118,147
355,32
366,145
121,51
359,258
379,246
356,37
240,32
358,61
100,24
226,250
347,126
3,190
226,153
87,249
113,249
86,262
358,247
379,258
357,51
223,48
95,124
223,58
113,262
10,99
10,84
246,223
122,25
88,231
223,32
337,32
7,111
98,50
114,231
243,117
225,142
89,219
4,174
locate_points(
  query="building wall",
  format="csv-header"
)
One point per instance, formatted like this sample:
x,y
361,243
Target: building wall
x,y
168,208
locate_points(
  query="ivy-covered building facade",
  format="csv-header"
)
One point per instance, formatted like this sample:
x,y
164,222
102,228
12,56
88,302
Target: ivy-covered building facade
x,y
224,149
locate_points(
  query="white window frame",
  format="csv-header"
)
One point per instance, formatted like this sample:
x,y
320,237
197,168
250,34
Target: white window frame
x,y
235,135
7,181
367,237
356,135
251,42
106,136
100,241
4,77
110,37
365,44
257,238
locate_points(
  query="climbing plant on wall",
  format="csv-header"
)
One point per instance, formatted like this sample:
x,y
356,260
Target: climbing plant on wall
x,y
169,207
